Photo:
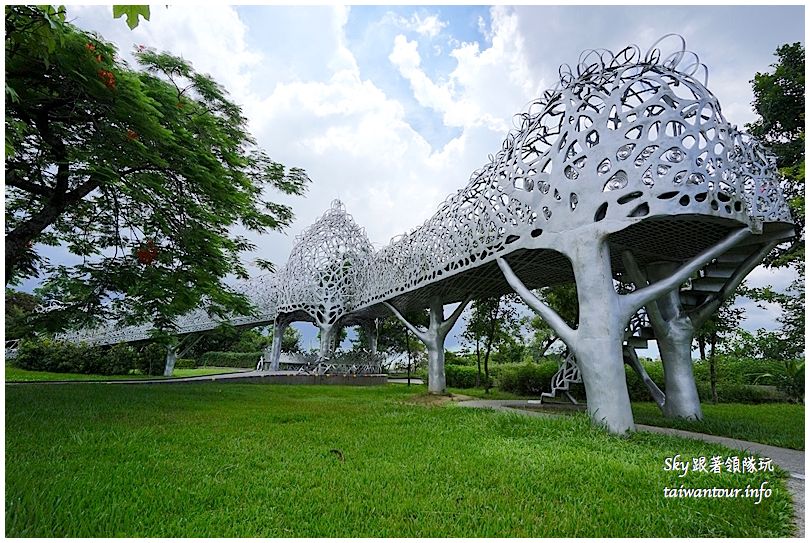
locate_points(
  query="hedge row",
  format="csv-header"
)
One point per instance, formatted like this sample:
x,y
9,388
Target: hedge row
x,y
526,379
463,376
230,360
743,371
185,364
532,379
66,357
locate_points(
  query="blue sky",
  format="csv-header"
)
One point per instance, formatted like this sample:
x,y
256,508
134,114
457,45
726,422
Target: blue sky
x,y
391,108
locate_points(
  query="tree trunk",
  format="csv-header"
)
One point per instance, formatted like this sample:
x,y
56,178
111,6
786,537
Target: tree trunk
x,y
478,359
675,347
702,347
598,341
486,363
493,322
408,348
171,359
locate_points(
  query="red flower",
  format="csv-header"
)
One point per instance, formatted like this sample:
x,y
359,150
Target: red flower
x,y
108,78
90,47
147,253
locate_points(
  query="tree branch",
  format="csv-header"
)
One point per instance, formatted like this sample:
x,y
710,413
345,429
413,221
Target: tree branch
x,y
447,325
565,332
17,181
632,302
416,331
631,358
640,281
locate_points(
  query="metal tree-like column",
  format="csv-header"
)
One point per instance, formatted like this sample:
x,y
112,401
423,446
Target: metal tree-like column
x,y
604,315
171,360
675,328
279,328
371,328
433,337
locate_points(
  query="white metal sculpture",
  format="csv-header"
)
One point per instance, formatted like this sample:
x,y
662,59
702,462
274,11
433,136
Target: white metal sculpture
x,y
626,167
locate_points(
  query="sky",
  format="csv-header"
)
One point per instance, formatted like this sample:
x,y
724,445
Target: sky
x,y
390,109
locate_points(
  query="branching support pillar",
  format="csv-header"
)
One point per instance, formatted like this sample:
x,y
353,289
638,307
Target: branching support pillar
x,y
433,337
272,358
675,328
604,315
371,329
171,360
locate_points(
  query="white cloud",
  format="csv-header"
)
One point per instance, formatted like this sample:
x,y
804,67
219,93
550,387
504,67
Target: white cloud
x,y
486,88
429,26
483,29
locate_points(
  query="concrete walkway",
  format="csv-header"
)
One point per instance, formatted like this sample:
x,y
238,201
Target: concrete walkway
x,y
401,381
790,460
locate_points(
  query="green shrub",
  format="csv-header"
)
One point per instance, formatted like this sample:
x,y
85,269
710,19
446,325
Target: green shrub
x,y
792,382
456,359
119,359
463,376
66,357
185,364
151,359
230,360
743,371
527,379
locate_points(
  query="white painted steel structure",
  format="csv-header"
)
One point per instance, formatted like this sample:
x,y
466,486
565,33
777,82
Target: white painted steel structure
x,y
626,168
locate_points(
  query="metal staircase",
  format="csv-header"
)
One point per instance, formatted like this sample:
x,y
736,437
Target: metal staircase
x,y
567,375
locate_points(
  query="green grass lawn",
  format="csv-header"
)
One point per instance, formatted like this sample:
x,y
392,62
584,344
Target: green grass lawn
x,y
17,374
778,424
268,460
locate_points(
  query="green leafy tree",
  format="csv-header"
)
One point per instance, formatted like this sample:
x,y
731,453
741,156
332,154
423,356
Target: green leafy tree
x,y
21,310
789,341
291,340
146,176
561,298
720,327
490,322
779,102
395,339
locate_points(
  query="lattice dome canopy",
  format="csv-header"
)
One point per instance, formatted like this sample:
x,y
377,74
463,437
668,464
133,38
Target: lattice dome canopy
x,y
627,136
327,266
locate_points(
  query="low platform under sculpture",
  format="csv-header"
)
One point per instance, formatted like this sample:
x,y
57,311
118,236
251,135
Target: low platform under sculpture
x,y
625,179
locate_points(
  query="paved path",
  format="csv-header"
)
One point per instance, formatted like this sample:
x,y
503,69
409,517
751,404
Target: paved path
x,y
414,381
790,460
